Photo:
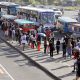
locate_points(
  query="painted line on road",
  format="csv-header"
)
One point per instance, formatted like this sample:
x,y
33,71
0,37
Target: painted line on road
x,y
6,72
1,71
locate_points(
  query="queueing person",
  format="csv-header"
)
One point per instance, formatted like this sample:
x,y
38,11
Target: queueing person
x,y
76,56
38,42
51,47
77,69
69,48
73,44
64,48
52,37
58,46
23,40
13,34
33,41
45,44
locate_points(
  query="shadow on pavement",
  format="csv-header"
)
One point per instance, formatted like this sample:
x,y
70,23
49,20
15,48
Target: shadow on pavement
x,y
66,75
60,67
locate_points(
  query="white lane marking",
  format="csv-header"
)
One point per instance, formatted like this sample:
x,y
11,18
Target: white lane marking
x,y
1,71
7,72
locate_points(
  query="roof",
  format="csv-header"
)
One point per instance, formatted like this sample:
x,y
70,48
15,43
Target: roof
x,y
66,19
35,9
23,21
9,17
8,4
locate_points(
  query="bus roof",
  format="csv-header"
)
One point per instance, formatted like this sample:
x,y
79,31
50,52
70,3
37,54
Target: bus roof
x,y
23,21
12,17
7,4
66,19
35,9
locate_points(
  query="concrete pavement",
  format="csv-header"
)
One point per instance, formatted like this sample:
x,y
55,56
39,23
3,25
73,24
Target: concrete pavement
x,y
58,66
14,66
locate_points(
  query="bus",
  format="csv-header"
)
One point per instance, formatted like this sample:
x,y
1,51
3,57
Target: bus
x,y
64,24
8,8
42,17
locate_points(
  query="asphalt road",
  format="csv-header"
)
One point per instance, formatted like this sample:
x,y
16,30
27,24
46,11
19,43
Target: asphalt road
x,y
17,67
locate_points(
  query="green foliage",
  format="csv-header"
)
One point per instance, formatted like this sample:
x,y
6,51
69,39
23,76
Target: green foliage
x,y
58,2
78,1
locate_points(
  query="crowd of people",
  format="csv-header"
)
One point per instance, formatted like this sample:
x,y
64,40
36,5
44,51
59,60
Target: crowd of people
x,y
33,40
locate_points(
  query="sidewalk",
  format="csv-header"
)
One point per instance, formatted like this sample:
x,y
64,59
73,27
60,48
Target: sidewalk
x,y
57,65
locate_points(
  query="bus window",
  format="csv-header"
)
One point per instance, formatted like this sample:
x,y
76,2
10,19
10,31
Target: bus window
x,y
47,17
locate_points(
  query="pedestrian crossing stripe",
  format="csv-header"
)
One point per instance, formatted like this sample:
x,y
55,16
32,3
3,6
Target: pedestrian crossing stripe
x,y
1,71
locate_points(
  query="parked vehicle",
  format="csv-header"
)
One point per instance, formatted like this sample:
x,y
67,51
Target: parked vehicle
x,y
8,8
57,12
64,24
26,25
76,30
41,16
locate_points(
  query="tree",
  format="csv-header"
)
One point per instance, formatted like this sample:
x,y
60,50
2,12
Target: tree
x,y
78,1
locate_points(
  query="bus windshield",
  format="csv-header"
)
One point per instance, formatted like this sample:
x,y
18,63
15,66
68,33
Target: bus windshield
x,y
47,17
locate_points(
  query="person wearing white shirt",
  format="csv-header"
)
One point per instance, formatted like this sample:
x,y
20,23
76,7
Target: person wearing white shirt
x,y
23,40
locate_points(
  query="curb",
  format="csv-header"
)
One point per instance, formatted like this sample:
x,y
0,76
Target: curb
x,y
32,61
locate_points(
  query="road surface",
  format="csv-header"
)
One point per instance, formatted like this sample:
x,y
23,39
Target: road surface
x,y
13,66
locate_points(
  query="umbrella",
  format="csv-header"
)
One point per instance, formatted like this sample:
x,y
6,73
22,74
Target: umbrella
x,y
42,34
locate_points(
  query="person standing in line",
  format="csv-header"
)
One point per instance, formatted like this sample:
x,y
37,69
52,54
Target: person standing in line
x,y
51,47
33,41
58,46
69,49
23,40
78,69
66,39
64,48
73,44
76,56
16,34
52,37
38,42
13,34
45,44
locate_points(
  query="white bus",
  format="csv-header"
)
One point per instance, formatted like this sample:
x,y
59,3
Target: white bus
x,y
41,16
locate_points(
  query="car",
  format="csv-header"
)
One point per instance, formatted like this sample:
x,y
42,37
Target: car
x,y
57,12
